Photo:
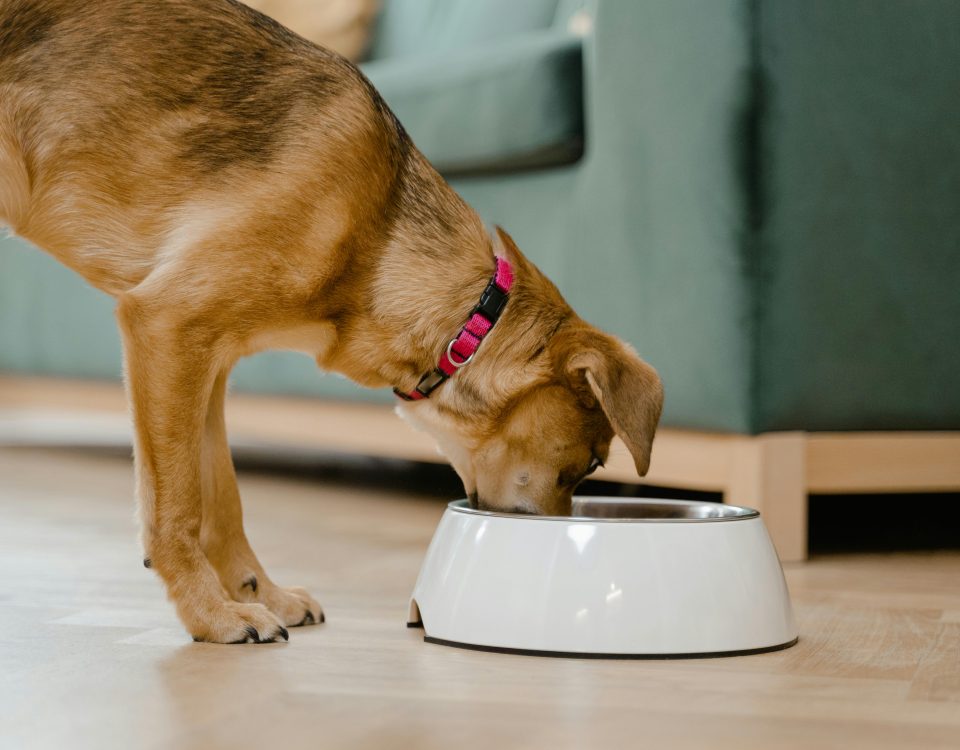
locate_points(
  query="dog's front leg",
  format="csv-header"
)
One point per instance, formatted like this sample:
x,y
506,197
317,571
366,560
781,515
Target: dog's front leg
x,y
222,536
172,361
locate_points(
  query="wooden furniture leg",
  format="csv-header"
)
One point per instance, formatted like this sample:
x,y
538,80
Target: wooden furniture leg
x,y
768,472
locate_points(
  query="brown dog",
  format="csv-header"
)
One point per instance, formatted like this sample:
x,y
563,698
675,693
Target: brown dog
x,y
237,188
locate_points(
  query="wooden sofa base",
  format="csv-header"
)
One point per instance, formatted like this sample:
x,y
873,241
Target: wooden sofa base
x,y
775,472
772,472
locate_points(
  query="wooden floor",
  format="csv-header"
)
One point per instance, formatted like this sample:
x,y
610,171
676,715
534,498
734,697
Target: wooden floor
x,y
91,655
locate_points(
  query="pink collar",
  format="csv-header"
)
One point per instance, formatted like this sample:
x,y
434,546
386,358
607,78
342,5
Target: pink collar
x,y
464,345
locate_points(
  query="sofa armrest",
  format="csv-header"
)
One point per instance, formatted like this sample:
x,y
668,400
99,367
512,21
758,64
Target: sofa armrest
x,y
513,103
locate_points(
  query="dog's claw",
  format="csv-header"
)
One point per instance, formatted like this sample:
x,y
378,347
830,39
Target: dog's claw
x,y
308,619
252,583
282,633
252,636
147,562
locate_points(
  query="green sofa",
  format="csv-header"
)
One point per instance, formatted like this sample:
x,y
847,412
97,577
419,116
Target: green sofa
x,y
763,196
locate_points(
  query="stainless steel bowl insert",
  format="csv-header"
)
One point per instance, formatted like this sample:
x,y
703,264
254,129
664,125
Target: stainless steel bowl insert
x,y
630,510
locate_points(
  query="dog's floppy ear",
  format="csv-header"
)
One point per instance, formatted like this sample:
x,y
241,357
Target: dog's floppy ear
x,y
628,389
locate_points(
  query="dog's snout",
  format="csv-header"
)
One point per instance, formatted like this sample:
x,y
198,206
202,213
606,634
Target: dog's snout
x,y
479,503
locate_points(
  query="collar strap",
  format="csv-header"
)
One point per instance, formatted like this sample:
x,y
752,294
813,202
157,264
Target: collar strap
x,y
464,345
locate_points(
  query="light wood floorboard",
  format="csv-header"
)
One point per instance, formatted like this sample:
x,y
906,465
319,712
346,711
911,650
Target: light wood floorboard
x,y
91,655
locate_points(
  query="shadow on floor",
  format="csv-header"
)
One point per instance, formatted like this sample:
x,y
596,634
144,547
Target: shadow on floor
x,y
838,523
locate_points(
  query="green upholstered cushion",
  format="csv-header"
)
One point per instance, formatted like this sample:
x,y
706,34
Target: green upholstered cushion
x,y
858,270
512,102
51,321
423,27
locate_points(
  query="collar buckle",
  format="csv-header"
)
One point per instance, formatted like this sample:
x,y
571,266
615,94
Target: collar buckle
x,y
492,302
427,385
430,382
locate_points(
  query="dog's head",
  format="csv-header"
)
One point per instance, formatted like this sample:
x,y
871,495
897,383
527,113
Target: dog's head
x,y
556,433
554,414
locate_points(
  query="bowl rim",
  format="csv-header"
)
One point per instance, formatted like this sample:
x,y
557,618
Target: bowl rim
x,y
739,512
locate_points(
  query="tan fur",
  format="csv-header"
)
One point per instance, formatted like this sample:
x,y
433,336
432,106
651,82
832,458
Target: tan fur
x,y
235,188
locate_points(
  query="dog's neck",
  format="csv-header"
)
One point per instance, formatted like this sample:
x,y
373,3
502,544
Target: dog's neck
x,y
448,285
434,260
412,282
462,348
510,358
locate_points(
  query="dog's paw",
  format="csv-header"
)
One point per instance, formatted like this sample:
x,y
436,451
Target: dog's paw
x,y
294,606
241,623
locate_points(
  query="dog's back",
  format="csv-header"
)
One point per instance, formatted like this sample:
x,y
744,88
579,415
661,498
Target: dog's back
x,y
126,125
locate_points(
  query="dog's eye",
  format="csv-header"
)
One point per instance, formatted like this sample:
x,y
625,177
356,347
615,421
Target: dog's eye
x,y
571,477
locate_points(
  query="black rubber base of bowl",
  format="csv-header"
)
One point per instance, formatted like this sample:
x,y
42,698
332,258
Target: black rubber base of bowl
x,y
582,655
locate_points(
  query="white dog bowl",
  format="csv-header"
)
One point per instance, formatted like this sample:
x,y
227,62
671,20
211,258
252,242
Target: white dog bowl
x,y
619,578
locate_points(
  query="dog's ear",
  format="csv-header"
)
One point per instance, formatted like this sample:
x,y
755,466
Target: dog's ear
x,y
503,244
628,389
